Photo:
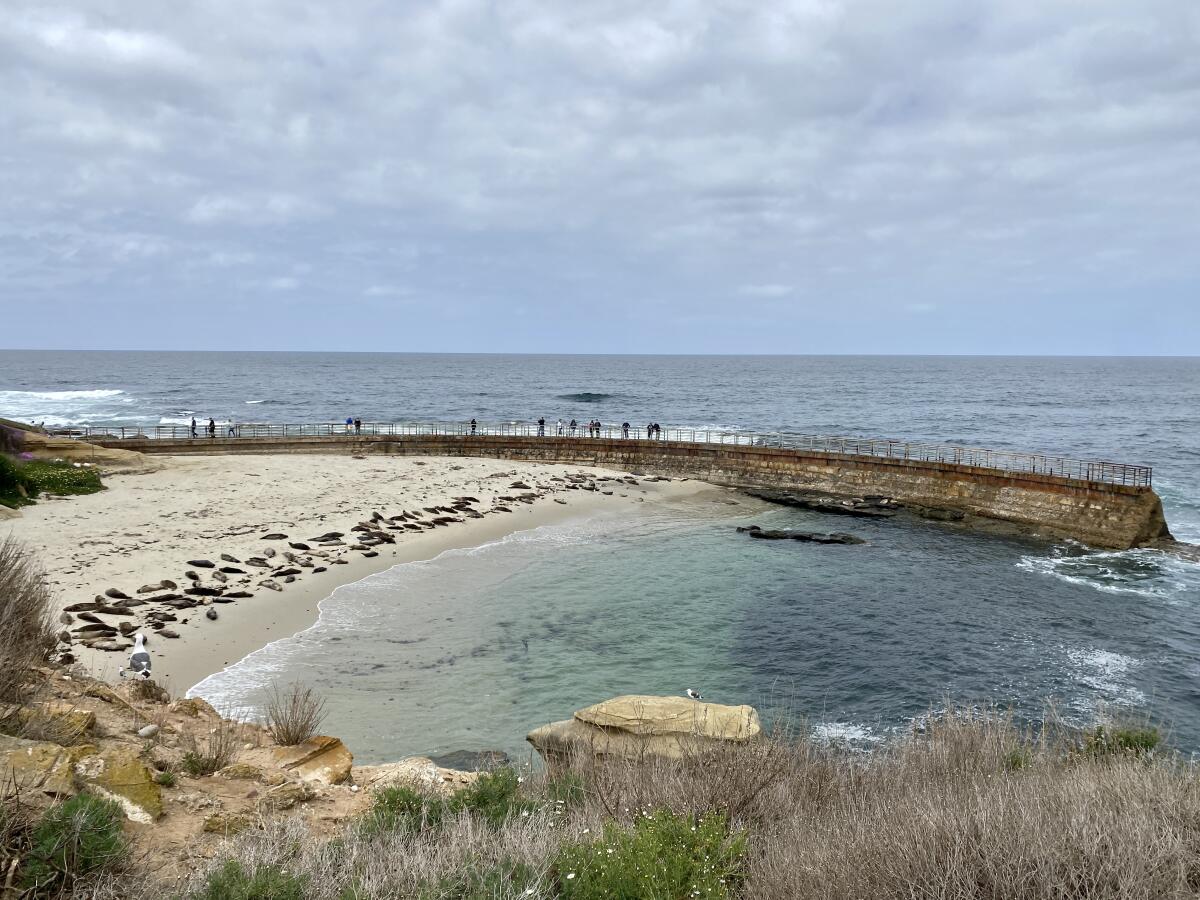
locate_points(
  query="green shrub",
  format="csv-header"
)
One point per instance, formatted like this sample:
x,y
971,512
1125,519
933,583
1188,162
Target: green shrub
x,y
1017,759
21,482
493,797
566,790
505,880
402,809
166,779
662,856
16,488
233,882
1123,740
74,839
63,477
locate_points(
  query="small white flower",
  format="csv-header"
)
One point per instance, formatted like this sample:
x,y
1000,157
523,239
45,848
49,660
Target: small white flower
x,y
570,875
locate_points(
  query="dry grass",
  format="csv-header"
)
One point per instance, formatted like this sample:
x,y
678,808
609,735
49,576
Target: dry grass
x,y
26,631
970,806
213,752
294,714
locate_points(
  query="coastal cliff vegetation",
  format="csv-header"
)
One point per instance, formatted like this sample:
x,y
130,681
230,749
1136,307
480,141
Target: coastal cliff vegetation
x,y
22,479
969,804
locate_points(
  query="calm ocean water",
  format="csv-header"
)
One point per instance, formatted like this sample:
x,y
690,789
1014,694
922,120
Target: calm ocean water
x,y
471,649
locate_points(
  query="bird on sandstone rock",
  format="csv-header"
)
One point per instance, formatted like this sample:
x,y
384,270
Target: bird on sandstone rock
x,y
694,695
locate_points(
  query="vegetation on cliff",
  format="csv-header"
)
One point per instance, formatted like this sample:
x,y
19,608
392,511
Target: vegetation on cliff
x,y
21,481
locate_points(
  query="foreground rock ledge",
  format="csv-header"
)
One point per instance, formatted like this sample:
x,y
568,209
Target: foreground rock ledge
x,y
639,725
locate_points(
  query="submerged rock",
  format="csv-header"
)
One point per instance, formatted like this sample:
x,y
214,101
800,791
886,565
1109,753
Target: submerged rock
x,y
812,537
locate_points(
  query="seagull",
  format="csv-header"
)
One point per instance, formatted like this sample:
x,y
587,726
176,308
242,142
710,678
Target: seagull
x,y
139,659
694,695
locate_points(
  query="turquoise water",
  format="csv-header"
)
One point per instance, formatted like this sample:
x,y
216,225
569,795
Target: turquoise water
x,y
471,650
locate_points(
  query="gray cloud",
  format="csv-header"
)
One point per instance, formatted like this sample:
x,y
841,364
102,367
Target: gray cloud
x,y
783,177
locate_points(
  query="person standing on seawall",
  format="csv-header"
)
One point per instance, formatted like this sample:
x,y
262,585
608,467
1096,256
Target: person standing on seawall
x,y
473,426
349,423
193,426
542,426
357,425
625,429
560,427
212,427
573,426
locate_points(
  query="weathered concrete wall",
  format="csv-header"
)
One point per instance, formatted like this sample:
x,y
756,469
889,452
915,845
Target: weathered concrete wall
x,y
1102,515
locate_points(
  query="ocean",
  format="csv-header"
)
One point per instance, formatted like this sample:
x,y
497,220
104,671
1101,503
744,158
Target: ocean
x,y
474,648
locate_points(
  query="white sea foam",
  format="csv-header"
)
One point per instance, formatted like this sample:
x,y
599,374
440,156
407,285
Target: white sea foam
x,y
850,734
1143,573
1106,672
61,408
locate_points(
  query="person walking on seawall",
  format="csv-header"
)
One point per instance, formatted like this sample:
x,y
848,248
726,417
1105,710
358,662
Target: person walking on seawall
x,y
473,425
230,431
542,427
357,425
349,423
194,426
625,430
212,427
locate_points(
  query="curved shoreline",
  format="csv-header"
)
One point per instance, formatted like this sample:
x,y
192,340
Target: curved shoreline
x,y
146,527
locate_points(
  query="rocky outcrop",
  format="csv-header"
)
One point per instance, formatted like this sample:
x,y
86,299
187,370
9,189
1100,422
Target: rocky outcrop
x,y
322,758
636,726
36,766
810,537
858,507
119,774
418,772
108,460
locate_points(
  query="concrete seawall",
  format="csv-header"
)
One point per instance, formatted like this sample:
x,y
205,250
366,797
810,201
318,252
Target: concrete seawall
x,y
1112,516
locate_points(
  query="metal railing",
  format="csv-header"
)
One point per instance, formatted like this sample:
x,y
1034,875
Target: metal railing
x,y
999,460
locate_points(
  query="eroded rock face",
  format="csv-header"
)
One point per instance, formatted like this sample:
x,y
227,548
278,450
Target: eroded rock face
x,y
119,774
417,772
36,766
637,725
321,758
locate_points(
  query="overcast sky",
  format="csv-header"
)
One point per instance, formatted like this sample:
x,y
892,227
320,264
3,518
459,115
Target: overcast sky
x,y
816,176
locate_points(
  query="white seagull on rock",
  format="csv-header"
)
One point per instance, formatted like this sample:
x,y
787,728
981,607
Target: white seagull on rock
x,y
139,659
695,695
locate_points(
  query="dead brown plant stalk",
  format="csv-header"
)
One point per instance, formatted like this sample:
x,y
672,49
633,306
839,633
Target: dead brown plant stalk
x,y
293,715
26,632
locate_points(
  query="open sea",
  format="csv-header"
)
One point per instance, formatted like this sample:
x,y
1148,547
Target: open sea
x,y
472,649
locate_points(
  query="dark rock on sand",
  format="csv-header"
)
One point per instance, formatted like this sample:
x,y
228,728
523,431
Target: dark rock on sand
x,y
859,508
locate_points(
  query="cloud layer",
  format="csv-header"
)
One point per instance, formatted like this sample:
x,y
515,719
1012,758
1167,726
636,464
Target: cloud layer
x,y
808,176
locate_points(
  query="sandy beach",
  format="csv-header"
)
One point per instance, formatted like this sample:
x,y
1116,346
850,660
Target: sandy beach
x,y
146,528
